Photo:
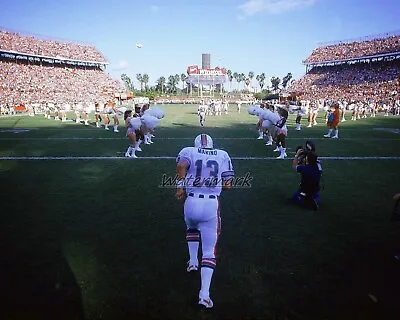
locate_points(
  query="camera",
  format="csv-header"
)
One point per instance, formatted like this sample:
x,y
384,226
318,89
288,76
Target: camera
x,y
309,146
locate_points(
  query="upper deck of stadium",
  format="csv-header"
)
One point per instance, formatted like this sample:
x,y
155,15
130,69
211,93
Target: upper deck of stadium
x,y
346,50
12,42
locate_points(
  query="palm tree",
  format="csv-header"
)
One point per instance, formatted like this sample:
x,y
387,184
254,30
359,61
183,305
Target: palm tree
x,y
127,82
230,78
160,84
247,82
172,83
177,78
286,80
139,78
183,78
251,76
145,79
242,77
261,78
275,81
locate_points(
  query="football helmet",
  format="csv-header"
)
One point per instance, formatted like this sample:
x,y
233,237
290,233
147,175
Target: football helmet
x,y
203,141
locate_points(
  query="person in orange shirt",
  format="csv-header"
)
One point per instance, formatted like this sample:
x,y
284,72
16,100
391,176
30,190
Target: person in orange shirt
x,y
333,122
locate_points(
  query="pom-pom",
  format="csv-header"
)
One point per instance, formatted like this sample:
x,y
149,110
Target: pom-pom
x,y
251,110
266,124
150,121
155,112
136,123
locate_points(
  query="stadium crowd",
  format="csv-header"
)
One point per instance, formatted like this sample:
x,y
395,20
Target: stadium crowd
x,y
378,81
25,44
355,49
32,83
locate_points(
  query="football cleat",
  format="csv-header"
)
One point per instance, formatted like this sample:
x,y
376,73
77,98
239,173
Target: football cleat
x,y
206,303
192,267
269,143
277,149
130,155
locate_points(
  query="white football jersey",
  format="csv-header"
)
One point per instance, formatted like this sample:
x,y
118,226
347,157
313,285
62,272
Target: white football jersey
x,y
207,168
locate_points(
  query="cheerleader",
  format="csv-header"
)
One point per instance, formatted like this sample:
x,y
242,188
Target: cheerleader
x,y
64,109
115,117
56,112
106,117
47,111
312,114
97,115
299,115
77,113
138,131
85,108
147,133
281,131
343,106
259,127
130,122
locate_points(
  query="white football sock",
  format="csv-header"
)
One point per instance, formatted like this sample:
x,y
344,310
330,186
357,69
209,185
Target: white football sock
x,y
336,133
206,277
193,247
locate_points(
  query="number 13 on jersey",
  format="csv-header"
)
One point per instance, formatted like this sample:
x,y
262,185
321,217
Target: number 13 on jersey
x,y
210,181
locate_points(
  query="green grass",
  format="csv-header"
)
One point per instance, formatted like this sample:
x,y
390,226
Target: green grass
x,y
98,239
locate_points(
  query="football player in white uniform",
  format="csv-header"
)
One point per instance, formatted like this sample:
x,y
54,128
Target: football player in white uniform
x,y
239,105
202,173
226,106
201,111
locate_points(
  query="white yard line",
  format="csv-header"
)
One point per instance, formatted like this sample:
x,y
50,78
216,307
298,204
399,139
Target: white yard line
x,y
185,138
62,158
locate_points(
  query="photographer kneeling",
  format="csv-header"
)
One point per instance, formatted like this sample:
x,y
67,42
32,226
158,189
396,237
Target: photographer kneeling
x,y
306,163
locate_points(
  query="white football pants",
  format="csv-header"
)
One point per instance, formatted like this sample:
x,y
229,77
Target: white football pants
x,y
203,214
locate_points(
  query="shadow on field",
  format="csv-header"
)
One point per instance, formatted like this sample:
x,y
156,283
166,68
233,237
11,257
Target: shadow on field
x,y
36,280
37,283
271,264
364,285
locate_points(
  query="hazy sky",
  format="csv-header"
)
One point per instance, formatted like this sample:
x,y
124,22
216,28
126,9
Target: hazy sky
x,y
271,36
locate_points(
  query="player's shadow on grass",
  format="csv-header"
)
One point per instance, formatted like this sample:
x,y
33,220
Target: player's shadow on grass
x,y
36,280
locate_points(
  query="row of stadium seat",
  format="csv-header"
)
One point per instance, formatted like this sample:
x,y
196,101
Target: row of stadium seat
x,y
356,49
15,42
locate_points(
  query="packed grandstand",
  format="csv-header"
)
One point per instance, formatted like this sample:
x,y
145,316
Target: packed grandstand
x,y
34,70
364,70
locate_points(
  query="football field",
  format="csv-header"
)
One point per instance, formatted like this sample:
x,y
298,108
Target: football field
x,y
89,234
